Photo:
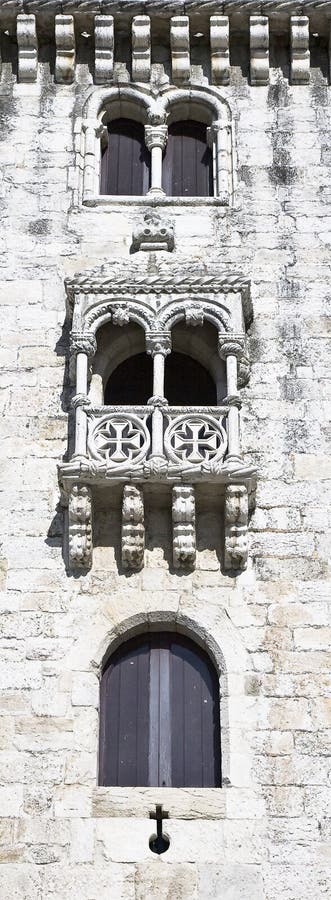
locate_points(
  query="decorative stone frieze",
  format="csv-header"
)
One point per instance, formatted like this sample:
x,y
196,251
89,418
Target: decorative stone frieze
x,y
235,525
219,49
183,524
153,232
104,49
27,48
180,48
65,49
80,526
300,55
141,48
133,530
259,49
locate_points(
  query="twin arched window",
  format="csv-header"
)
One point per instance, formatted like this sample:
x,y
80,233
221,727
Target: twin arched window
x,y
159,715
187,160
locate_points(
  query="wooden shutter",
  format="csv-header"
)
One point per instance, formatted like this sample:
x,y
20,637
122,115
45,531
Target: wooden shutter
x,y
187,165
159,715
125,163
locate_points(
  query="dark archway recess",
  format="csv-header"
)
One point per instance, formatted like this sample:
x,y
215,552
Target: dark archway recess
x,y
159,715
125,162
188,161
187,382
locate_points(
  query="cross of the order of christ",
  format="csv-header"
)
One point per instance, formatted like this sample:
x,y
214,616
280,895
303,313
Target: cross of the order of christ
x,y
159,843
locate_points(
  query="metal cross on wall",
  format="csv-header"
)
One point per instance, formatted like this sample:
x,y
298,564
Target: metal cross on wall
x,y
159,843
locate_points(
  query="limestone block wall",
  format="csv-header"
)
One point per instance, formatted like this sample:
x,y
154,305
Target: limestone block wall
x,y
266,834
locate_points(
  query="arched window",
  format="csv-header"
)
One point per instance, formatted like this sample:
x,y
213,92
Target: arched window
x,y
125,162
159,715
188,164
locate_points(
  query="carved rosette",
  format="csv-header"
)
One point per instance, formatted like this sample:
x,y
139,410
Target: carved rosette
x,y
80,527
235,520
133,529
183,524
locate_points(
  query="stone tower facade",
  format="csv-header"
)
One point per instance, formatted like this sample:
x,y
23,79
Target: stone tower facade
x,y
208,521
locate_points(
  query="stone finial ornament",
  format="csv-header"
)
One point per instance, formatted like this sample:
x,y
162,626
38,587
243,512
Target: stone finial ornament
x,y
153,232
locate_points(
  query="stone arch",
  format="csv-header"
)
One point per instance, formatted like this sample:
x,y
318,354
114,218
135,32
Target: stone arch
x,y
221,640
201,103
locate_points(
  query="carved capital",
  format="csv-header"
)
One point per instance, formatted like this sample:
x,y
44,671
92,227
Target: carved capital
x,y
156,136
216,128
231,345
80,400
81,342
158,342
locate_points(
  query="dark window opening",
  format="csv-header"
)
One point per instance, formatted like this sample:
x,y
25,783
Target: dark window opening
x,y
188,162
187,382
131,384
159,715
125,162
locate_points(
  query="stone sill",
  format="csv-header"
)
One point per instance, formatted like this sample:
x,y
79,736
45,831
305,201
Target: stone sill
x,y
107,202
180,803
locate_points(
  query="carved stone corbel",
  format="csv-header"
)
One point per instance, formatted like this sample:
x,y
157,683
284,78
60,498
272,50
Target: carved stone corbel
x,y
65,49
235,526
133,530
180,48
104,49
141,48
259,49
183,524
219,49
153,232
300,55
80,526
27,48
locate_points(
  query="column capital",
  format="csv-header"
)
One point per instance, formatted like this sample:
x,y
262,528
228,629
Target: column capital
x,y
158,342
231,345
156,136
81,342
216,127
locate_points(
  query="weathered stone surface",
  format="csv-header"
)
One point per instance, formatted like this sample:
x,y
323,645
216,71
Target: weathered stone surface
x,y
266,834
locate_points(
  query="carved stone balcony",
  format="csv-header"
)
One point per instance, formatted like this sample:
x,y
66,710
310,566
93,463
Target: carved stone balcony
x,y
155,442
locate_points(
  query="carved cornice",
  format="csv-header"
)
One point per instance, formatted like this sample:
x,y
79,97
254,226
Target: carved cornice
x,y
164,8
181,279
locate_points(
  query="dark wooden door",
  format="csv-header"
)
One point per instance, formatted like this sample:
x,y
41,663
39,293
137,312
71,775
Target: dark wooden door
x,y
125,163
187,164
159,715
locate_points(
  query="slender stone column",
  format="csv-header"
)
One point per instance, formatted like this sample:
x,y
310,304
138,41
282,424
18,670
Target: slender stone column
x,y
155,140
231,348
83,347
218,140
158,346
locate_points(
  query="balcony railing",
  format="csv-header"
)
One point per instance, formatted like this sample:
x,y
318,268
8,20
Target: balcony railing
x,y
149,440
